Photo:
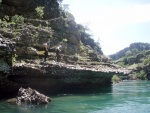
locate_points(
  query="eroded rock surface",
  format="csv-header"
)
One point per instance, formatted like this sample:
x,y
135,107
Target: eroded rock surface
x,y
31,96
63,78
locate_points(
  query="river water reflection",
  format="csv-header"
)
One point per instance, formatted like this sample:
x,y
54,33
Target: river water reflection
x,y
124,97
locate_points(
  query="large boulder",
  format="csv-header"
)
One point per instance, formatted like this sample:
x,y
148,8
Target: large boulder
x,y
31,96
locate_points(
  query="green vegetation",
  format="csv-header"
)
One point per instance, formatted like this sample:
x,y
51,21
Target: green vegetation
x,y
65,40
40,11
6,18
136,57
115,79
18,19
82,48
146,61
140,75
128,53
88,40
11,25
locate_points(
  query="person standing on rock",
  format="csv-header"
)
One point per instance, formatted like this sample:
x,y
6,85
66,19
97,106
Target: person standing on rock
x,y
45,51
58,53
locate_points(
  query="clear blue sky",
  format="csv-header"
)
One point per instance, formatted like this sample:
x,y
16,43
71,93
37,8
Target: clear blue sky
x,y
117,23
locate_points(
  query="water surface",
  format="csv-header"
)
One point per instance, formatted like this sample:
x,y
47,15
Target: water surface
x,y
124,97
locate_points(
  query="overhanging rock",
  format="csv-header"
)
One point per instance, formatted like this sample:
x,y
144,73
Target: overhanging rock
x,y
54,78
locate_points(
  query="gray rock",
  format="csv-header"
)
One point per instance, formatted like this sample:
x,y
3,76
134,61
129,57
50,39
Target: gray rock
x,y
31,96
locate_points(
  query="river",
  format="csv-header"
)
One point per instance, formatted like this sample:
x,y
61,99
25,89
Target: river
x,y
123,97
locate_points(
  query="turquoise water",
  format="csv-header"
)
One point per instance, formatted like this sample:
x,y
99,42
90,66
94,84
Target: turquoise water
x,y
124,97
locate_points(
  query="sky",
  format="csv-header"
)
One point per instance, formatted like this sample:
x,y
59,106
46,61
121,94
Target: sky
x,y
115,23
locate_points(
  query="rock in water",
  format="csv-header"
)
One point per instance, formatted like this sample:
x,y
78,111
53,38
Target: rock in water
x,y
31,96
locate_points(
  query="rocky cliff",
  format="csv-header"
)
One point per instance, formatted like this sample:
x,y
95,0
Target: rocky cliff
x,y
22,24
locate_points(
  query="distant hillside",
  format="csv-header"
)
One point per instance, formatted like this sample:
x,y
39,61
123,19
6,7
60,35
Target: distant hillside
x,y
137,57
133,49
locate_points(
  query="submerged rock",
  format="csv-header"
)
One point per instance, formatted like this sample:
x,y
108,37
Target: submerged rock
x,y
31,96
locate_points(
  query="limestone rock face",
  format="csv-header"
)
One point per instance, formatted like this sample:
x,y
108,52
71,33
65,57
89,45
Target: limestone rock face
x,y
31,96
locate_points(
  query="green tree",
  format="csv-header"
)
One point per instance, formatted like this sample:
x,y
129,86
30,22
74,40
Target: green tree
x,y
69,16
128,53
6,18
17,19
115,79
65,40
135,51
40,11
142,75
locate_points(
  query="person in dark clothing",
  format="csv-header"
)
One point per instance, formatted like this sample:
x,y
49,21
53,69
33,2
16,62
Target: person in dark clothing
x,y
46,51
58,53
